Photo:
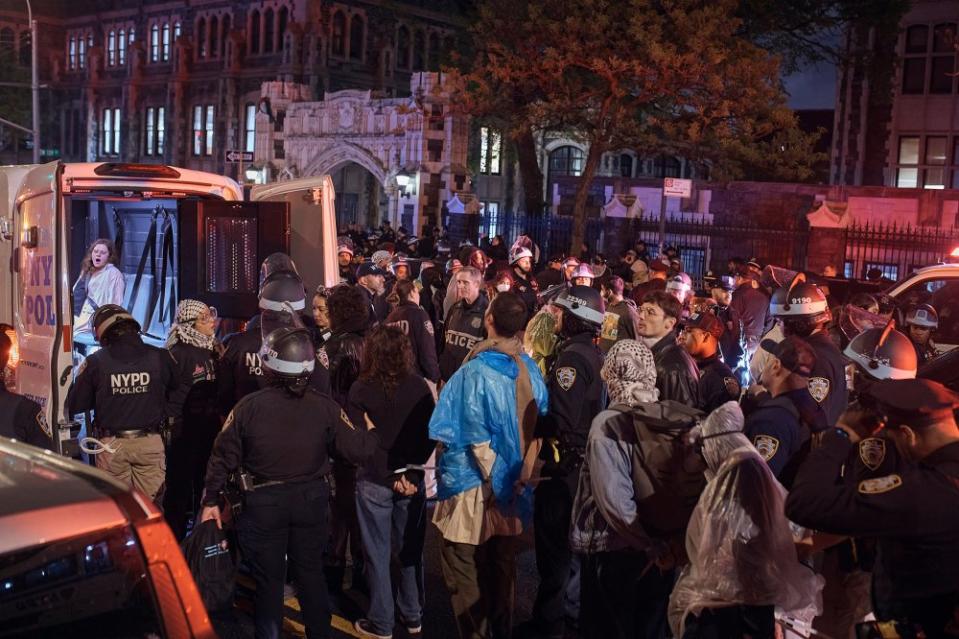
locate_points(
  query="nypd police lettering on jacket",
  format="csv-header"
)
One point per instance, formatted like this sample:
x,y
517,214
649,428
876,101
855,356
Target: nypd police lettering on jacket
x,y
130,383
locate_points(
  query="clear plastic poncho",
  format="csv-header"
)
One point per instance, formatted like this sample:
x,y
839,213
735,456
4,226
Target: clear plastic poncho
x,y
739,542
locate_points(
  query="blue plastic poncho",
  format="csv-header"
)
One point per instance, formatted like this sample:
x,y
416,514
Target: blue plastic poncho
x,y
478,405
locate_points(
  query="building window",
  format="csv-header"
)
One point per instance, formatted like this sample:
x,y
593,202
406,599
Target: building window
x,y
491,150
214,37
161,130
434,52
122,46
490,213
567,160
626,165
155,43
208,148
82,53
935,174
201,38
942,67
419,51
269,41
284,19
250,127
197,130
72,53
255,32
338,35
356,37
150,143
111,132
112,48
889,271
166,43
176,31
403,48
908,176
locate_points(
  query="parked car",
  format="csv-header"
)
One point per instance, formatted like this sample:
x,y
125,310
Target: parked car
x,y
83,555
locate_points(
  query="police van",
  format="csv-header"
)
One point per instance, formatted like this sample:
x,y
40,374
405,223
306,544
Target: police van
x,y
179,234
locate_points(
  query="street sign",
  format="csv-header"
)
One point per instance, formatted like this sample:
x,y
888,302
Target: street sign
x,y
234,156
674,187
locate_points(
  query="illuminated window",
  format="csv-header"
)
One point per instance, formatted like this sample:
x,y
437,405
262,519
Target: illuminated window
x,y
122,46
155,43
209,129
150,143
197,130
110,138
491,150
72,53
250,122
161,130
82,53
112,48
166,43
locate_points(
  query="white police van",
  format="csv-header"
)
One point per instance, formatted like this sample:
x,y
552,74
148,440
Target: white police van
x,y
180,233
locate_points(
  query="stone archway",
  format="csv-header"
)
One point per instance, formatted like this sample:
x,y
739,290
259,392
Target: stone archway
x,y
420,138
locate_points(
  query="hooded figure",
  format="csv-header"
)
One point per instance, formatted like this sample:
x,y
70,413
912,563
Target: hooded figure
x,y
742,560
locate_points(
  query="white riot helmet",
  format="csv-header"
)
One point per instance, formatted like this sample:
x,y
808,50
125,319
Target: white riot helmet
x,y
883,353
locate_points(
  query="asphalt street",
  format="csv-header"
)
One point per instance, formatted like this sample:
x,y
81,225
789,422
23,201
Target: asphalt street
x,y
437,614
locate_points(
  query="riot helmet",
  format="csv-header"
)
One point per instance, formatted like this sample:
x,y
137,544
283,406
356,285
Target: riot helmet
x,y
282,290
679,286
519,252
801,306
274,263
883,353
108,318
288,357
584,302
583,271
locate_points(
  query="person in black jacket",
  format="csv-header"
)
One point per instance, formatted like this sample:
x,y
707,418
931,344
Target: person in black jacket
x,y
410,318
464,325
342,356
751,303
126,383
677,376
192,409
521,263
717,385
281,438
20,418
390,495
575,398
371,281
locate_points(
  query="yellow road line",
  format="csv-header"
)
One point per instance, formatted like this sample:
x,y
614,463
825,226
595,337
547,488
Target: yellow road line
x,y
337,622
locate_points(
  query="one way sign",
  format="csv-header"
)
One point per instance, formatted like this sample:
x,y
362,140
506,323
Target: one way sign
x,y
234,156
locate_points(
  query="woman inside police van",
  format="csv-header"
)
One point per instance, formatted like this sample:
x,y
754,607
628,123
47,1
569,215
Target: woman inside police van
x,y
100,282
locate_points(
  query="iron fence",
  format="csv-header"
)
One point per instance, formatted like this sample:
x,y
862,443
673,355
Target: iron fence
x,y
702,244
895,250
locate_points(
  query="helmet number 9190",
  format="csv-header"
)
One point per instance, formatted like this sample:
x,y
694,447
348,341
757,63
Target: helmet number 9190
x,y
801,300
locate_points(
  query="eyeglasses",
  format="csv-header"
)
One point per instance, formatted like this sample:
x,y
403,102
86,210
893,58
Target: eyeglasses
x,y
209,315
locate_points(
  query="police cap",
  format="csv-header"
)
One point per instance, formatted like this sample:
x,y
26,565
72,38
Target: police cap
x,y
914,402
366,268
793,353
706,322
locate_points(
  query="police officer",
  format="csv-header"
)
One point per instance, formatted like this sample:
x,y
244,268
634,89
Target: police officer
x,y
914,511
126,383
20,418
700,338
464,324
751,303
410,318
280,438
730,345
804,312
521,262
371,281
921,322
882,353
782,426
575,398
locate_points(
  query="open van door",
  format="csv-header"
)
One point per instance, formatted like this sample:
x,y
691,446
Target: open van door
x,y
312,225
41,316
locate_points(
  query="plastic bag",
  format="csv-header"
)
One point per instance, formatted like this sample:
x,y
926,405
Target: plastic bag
x,y
212,560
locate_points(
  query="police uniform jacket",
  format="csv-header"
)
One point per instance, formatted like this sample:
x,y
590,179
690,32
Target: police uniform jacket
x,y
780,429
729,344
416,324
464,328
238,371
914,513
575,392
277,436
752,306
677,376
550,277
23,419
827,384
524,288
127,383
717,384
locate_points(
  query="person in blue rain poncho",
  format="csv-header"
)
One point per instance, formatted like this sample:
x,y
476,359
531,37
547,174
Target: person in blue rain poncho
x,y
485,421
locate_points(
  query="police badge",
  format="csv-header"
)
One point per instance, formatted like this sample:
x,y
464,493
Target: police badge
x,y
428,325
732,387
566,376
872,451
476,322
819,388
767,446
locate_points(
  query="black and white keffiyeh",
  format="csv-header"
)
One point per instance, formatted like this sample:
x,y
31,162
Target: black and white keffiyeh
x,y
630,373
187,311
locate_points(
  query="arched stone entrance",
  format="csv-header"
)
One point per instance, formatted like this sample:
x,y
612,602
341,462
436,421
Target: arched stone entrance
x,y
415,147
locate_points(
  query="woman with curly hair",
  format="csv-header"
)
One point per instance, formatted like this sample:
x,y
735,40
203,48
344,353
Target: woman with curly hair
x,y
395,400
100,282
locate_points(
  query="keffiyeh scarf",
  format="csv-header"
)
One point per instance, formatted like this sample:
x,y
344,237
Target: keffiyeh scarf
x,y
183,331
630,373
